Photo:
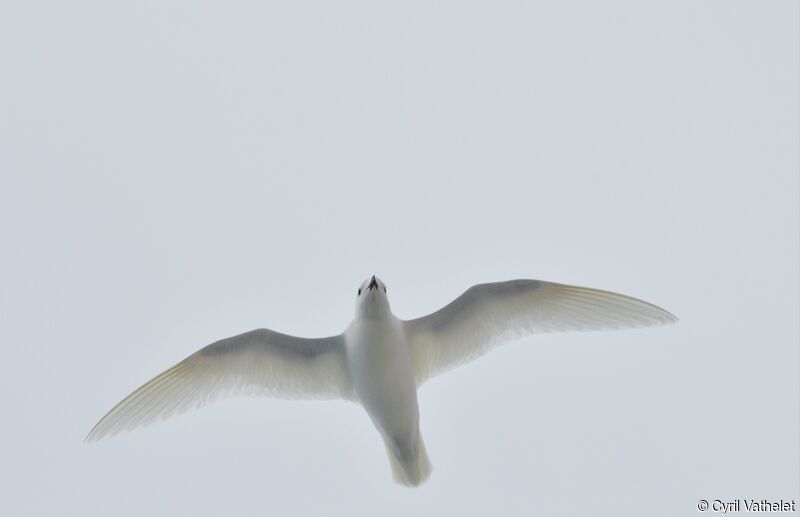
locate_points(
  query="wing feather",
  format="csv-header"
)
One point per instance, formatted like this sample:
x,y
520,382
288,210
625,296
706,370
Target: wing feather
x,y
487,315
260,362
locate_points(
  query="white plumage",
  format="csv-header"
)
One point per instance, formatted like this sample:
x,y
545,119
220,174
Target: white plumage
x,y
379,360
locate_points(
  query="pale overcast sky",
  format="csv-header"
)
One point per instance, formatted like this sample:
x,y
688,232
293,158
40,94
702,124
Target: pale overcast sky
x,y
178,172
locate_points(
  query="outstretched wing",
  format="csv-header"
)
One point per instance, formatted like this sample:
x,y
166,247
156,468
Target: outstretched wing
x,y
260,362
487,315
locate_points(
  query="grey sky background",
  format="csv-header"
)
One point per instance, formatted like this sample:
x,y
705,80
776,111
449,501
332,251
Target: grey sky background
x,y
174,173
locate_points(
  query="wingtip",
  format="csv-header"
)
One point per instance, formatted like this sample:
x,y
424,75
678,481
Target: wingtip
x,y
671,319
96,434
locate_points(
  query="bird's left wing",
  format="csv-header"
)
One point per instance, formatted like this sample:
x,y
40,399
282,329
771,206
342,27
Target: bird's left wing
x,y
487,315
259,362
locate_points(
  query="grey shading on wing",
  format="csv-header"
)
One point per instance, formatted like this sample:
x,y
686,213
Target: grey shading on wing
x,y
487,315
259,362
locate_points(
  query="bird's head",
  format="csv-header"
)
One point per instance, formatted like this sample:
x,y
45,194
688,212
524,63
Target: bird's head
x,y
371,297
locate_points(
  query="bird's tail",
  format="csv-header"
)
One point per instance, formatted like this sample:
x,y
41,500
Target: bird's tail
x,y
409,469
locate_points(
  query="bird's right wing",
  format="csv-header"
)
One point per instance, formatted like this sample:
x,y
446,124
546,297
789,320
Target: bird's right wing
x,y
260,362
487,315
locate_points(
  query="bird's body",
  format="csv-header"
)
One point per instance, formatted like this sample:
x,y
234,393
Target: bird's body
x,y
380,368
379,360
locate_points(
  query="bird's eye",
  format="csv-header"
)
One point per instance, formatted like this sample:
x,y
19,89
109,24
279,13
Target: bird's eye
x,y
384,290
359,291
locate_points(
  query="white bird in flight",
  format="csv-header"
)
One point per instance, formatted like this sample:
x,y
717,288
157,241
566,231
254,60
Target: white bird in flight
x,y
379,360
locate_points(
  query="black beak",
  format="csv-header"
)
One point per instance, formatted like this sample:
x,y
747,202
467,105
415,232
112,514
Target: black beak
x,y
372,284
